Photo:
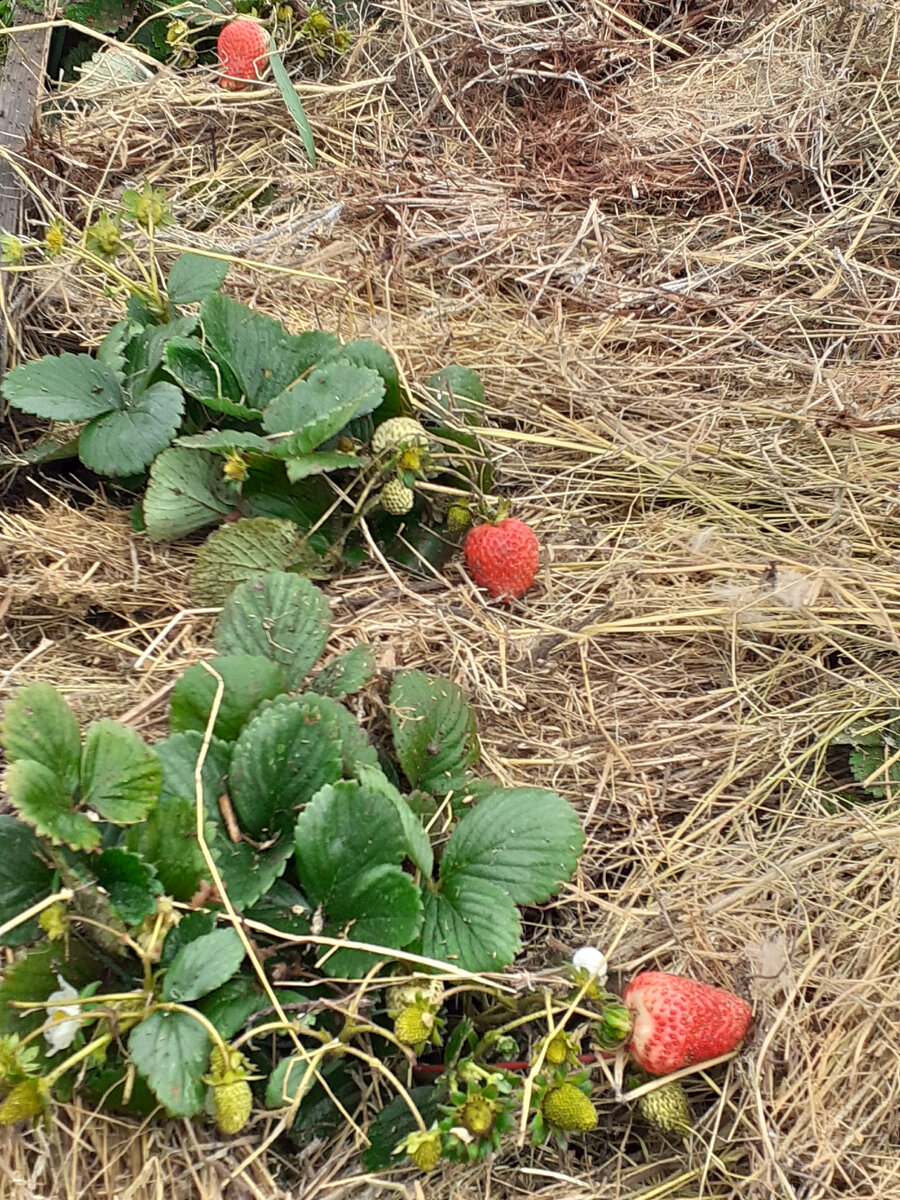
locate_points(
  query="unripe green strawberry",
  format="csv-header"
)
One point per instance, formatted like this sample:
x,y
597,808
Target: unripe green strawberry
x,y
478,1115
557,1050
459,517
429,992
412,1026
397,498
667,1108
568,1109
232,1103
423,1148
27,1099
398,431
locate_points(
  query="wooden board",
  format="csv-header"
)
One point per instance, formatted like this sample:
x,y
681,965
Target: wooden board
x,y
20,86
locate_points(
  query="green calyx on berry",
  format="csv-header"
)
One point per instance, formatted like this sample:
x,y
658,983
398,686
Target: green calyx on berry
x,y
147,207
104,238
477,1118
614,1026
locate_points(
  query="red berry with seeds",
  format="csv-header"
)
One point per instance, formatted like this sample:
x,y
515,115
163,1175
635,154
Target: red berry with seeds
x,y
243,47
679,1022
502,558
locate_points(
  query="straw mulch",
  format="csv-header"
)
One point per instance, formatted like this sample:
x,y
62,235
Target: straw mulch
x,y
667,236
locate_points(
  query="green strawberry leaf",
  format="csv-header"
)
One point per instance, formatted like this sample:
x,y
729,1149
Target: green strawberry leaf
x,y
186,491
248,679
240,551
193,277
346,674
132,884
418,844
264,357
455,388
283,756
349,841
524,840
282,908
168,838
224,441
203,965
383,906
48,449
65,387
111,351
24,878
120,774
41,799
211,382
866,760
363,353
126,441
192,925
38,724
434,731
319,464
171,1051
280,616
232,1005
356,750
342,832
247,871
394,1122
471,923
293,1075
318,407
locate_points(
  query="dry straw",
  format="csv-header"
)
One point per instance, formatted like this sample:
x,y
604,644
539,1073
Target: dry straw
x,y
667,236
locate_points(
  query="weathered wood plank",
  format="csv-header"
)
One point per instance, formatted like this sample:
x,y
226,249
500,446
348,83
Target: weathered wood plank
x,y
20,86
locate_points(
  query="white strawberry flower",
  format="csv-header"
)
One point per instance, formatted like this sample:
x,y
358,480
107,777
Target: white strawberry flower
x,y
592,961
64,1018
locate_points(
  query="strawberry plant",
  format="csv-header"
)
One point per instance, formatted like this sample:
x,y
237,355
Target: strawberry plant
x,y
873,758
302,444
133,876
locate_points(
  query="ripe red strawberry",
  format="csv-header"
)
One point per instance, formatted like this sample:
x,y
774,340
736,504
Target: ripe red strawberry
x,y
242,48
678,1022
502,558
